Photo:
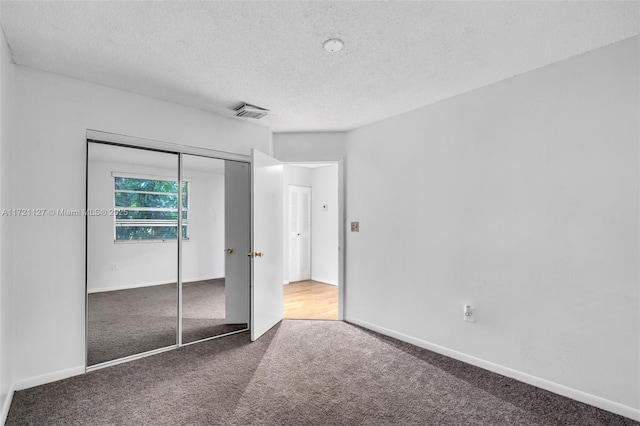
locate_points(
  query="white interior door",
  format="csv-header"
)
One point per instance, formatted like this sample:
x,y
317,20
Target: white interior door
x,y
266,215
299,233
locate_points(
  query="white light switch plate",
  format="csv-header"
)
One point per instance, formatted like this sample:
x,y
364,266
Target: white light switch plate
x,y
469,313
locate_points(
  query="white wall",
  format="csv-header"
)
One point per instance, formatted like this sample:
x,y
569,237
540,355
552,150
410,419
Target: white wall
x,y
520,198
292,175
324,224
51,117
7,99
203,256
292,147
149,263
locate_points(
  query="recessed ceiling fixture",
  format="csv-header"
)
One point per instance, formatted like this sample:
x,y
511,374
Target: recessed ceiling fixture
x,y
250,111
333,45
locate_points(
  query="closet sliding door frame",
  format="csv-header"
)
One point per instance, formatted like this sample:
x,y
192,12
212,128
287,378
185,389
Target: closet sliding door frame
x,y
95,136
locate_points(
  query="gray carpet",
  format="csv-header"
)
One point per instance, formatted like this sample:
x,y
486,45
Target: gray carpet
x,y
128,322
299,373
203,311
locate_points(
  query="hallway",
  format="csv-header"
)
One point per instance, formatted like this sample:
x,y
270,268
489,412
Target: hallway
x,y
310,300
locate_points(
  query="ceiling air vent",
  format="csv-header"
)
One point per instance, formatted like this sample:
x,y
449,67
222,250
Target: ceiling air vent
x,y
250,111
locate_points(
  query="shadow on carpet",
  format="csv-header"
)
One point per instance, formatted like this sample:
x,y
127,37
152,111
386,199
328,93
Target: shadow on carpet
x,y
299,373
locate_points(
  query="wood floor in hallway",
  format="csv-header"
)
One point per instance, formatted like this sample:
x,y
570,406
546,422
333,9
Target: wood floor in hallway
x,y
310,300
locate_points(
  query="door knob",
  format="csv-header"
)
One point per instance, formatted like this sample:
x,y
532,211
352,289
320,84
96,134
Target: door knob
x,y
229,250
250,254
259,254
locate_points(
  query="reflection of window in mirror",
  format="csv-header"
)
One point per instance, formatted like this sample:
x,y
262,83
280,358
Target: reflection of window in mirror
x,y
146,208
132,289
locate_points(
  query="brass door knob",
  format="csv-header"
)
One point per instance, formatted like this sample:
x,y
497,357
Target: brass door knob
x,y
229,250
250,254
259,254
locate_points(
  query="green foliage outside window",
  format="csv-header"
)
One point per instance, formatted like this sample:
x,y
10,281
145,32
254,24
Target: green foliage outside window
x,y
147,209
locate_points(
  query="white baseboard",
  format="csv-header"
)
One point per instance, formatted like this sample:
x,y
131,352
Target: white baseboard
x,y
557,388
47,378
6,404
150,284
285,282
324,280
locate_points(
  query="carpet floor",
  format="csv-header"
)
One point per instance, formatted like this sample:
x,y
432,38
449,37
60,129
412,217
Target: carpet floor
x,y
132,321
203,310
299,373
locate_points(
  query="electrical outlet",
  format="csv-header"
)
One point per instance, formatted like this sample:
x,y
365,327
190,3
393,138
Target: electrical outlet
x,y
355,226
114,267
469,313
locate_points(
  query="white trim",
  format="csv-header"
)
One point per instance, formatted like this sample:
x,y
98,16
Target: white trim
x,y
324,280
578,395
179,253
342,241
48,378
285,282
6,404
129,358
149,284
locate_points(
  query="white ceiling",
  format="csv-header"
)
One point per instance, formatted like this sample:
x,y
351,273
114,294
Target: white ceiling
x,y
398,56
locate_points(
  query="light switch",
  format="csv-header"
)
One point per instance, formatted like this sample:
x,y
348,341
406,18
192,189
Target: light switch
x,y
355,226
469,313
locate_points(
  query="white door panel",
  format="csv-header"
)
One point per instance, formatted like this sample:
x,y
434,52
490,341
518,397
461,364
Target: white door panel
x,y
299,233
266,277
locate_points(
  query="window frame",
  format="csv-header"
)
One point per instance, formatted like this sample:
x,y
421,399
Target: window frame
x,y
157,222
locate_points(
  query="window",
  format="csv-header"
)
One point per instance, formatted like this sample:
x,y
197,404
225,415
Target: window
x,y
147,209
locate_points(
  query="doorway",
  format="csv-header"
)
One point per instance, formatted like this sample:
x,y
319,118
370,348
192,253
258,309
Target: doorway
x,y
311,249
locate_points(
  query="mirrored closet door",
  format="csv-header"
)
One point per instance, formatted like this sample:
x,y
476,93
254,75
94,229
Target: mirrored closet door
x,y
215,265
145,280
132,297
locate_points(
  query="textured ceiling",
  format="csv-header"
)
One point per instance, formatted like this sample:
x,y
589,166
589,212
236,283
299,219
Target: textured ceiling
x,y
398,56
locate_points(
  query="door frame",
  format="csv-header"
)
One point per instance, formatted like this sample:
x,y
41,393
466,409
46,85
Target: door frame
x,y
342,222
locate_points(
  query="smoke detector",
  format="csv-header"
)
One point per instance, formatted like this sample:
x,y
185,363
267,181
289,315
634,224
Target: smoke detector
x,y
251,111
333,45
